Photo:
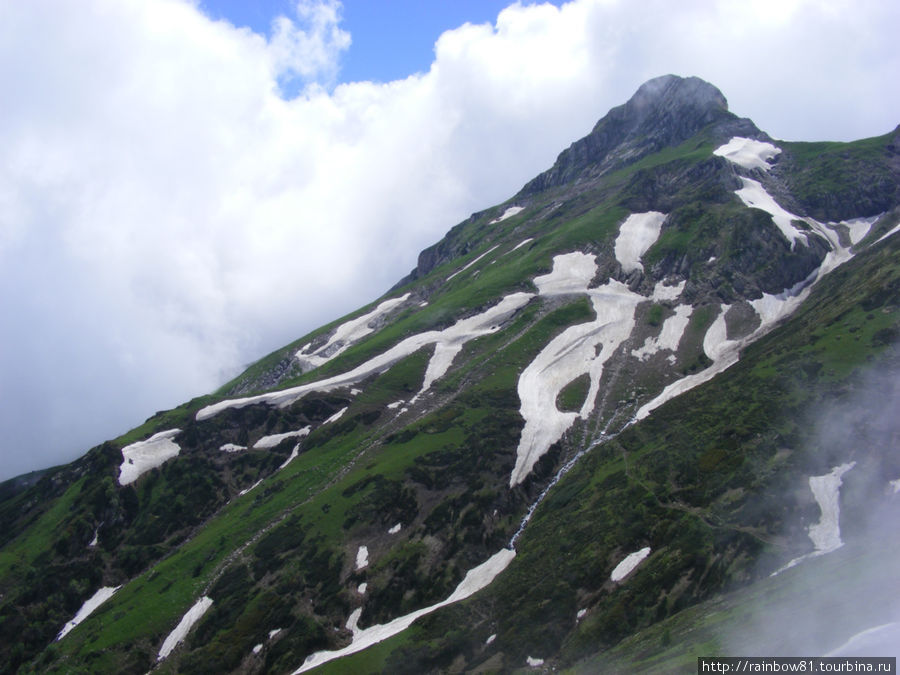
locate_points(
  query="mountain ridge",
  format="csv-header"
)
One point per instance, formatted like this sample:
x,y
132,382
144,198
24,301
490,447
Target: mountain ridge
x,y
374,468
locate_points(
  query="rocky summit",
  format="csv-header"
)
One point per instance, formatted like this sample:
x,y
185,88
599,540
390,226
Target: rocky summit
x,y
641,412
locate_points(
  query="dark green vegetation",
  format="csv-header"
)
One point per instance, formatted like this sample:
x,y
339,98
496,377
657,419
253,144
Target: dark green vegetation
x,y
714,481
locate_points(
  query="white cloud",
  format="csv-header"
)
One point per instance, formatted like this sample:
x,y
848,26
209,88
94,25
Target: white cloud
x,y
165,215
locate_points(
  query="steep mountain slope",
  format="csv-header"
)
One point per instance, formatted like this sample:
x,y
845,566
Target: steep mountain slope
x,y
585,412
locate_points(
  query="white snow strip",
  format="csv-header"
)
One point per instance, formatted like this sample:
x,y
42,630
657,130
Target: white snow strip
x,y
883,640
754,195
181,630
355,392
338,415
243,492
491,638
362,557
637,234
580,349
859,227
274,632
580,614
624,568
361,589
94,541
534,663
292,457
258,648
509,213
893,231
140,457
424,303
748,153
662,292
353,622
825,534
395,404
521,244
458,334
92,603
670,335
396,528
232,447
460,271
346,335
475,579
275,439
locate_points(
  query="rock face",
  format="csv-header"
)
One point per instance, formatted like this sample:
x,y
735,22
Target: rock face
x,y
585,411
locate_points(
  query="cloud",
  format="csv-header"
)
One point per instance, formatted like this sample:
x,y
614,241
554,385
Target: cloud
x,y
167,213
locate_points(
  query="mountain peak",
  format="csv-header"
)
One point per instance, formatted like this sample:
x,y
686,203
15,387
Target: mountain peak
x,y
664,111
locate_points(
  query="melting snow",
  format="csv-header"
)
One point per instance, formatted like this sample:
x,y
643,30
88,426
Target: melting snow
x,y
670,335
395,404
580,614
336,416
637,234
893,230
274,632
472,263
243,492
662,292
92,603
94,541
509,213
572,353
181,630
292,457
275,439
258,648
534,663
361,589
748,153
231,447
490,639
362,557
451,340
826,534
475,579
624,568
521,244
859,228
754,196
140,457
396,528
345,335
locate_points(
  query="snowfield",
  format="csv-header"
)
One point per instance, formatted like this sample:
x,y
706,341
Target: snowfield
x,y
92,603
346,335
669,337
362,557
275,439
475,579
636,235
754,195
181,630
626,567
748,153
231,447
140,457
509,213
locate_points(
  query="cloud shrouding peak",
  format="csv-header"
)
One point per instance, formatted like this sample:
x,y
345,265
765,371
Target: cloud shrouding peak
x,y
166,214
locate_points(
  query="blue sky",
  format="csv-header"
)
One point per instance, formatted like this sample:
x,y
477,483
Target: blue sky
x,y
181,195
392,39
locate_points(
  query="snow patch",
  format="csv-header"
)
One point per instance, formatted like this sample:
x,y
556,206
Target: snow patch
x,y
92,603
491,638
452,339
258,648
274,632
362,557
336,416
825,534
361,589
670,335
624,568
460,271
140,457
346,335
396,528
275,439
291,458
580,614
521,244
181,630
534,663
637,234
475,579
93,542
395,404
232,447
578,350
859,228
662,292
509,213
245,491
754,195
748,153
